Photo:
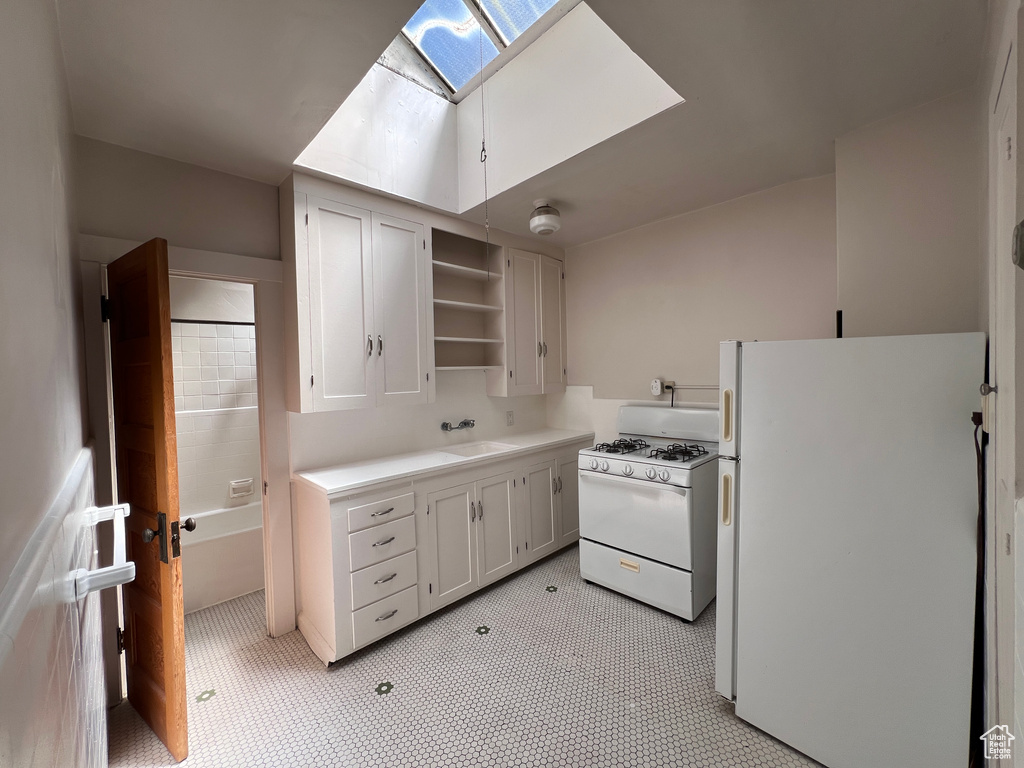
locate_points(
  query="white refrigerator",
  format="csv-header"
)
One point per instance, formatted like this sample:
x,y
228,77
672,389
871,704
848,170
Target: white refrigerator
x,y
848,507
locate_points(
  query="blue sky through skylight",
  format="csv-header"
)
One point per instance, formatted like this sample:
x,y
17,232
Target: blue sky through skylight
x,y
513,17
446,33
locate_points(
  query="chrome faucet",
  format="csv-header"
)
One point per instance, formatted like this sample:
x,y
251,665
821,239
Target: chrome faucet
x,y
446,426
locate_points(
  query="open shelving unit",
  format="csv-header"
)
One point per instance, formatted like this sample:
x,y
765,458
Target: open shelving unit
x,y
469,306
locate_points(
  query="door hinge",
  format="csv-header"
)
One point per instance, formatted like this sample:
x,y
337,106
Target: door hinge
x,y
509,262
517,549
430,588
527,545
424,245
1008,544
428,377
310,382
307,219
1009,147
120,640
264,487
428,509
104,309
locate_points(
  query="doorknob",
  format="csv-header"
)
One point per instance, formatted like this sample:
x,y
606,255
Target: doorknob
x,y
189,524
161,532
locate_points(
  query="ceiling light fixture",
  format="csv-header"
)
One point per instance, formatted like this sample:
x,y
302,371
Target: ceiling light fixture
x,y
545,219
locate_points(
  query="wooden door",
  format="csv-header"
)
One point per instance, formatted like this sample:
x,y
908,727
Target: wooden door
x,y
400,312
568,499
552,301
525,349
342,335
496,549
147,478
454,541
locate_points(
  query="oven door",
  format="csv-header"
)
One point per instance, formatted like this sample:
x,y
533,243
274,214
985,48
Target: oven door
x,y
645,518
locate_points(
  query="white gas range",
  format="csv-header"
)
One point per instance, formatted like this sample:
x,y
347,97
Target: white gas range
x,y
648,508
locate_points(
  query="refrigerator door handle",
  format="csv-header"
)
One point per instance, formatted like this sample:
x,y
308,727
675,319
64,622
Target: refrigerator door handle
x,y
727,415
726,497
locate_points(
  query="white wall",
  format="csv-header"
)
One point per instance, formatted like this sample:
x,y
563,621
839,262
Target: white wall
x,y
907,191
575,86
212,300
657,300
46,699
132,195
394,136
324,439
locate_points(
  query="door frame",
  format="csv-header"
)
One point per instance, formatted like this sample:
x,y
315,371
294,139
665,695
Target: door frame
x,y
266,277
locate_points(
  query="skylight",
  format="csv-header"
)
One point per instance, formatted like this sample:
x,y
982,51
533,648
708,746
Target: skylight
x,y
459,38
513,17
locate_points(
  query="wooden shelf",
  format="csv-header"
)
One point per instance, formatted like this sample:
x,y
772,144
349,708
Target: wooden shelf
x,y
466,340
466,306
468,367
468,273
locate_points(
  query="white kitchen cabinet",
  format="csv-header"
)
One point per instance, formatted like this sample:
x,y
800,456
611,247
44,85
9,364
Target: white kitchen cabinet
x,y
358,330
567,498
471,530
538,524
453,544
536,324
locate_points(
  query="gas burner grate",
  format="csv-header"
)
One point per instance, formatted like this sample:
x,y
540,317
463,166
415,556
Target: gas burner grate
x,y
678,452
622,445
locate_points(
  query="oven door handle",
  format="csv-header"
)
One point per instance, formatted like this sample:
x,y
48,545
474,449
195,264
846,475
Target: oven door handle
x,y
650,485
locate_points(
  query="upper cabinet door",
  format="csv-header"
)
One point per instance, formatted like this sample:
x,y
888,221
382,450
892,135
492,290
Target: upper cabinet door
x,y
527,351
340,305
401,345
552,300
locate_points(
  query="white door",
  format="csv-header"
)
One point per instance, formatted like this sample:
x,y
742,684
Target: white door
x,y
856,576
454,541
568,499
537,509
525,354
552,301
340,306
399,274
496,549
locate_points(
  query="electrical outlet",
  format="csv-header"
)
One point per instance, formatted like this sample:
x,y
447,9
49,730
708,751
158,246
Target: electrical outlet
x,y
509,418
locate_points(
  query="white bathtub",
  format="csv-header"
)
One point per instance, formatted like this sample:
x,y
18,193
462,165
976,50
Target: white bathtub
x,y
223,557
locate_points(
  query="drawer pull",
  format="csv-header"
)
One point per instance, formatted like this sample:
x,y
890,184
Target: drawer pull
x,y
387,511
387,616
385,579
386,541
629,565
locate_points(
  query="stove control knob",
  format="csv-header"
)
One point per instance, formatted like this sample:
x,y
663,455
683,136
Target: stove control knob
x,y
664,475
652,473
627,470
593,463
604,466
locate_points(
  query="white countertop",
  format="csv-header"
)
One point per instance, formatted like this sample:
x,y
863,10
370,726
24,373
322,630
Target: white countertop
x,y
360,474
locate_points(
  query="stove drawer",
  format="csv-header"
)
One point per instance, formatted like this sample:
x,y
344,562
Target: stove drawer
x,y
650,519
662,586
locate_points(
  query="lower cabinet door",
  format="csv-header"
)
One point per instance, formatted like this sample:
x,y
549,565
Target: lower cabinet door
x,y
568,499
384,617
495,523
538,510
453,540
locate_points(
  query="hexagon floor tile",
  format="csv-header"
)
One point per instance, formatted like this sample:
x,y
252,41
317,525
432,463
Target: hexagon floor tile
x,y
579,677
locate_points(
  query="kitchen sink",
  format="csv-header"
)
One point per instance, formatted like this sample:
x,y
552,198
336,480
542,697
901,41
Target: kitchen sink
x,y
481,448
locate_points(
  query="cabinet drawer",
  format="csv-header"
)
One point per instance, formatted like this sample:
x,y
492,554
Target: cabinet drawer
x,y
385,616
380,543
377,512
384,579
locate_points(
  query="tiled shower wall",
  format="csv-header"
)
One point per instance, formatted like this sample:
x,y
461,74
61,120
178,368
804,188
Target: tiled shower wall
x,y
215,408
214,366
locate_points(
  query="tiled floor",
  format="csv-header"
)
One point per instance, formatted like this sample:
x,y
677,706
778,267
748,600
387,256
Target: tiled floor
x,y
573,676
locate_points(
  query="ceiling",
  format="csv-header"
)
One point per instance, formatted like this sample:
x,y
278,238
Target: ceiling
x,y
243,85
